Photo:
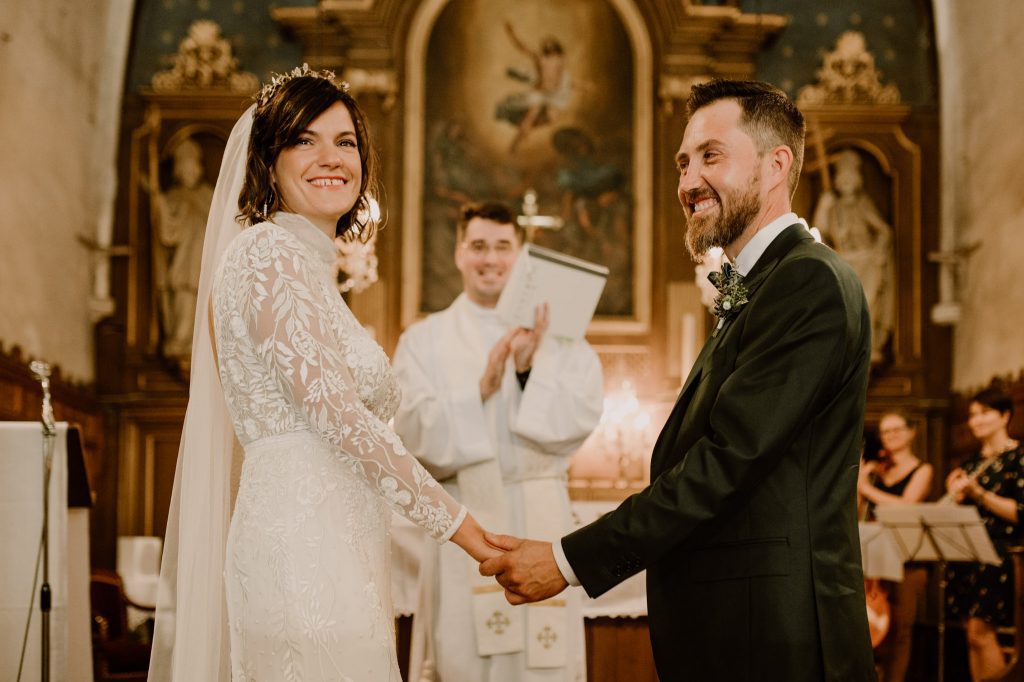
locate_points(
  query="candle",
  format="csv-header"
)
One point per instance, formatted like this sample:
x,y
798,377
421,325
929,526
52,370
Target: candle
x,y
687,342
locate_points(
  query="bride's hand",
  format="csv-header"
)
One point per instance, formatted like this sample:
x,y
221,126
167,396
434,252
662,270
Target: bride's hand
x,y
470,537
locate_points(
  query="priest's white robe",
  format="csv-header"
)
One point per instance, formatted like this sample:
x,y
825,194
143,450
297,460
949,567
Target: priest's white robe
x,y
443,421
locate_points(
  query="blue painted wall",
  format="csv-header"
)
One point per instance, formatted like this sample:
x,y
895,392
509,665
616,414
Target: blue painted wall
x,y
258,42
898,33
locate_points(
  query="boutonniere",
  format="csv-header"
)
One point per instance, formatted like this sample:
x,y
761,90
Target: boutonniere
x,y
732,294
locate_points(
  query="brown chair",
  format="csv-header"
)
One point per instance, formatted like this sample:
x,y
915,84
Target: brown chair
x,y
118,654
1014,671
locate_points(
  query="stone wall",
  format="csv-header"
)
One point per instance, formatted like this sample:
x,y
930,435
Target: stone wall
x,y
51,57
980,64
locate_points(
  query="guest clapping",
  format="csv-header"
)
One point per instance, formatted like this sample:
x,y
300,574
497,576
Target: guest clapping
x,y
993,480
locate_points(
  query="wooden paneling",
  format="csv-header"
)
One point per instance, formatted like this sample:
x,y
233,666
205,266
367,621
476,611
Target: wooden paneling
x,y
619,649
149,437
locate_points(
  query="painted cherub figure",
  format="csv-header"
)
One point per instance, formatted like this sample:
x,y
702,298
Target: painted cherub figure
x,y
551,87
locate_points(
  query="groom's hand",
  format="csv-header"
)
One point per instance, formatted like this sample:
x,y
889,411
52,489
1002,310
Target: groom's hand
x,y
527,570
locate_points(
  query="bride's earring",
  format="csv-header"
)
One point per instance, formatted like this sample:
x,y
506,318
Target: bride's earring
x,y
267,200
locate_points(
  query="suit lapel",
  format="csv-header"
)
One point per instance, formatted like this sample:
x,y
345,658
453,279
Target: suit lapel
x,y
701,366
776,251
780,246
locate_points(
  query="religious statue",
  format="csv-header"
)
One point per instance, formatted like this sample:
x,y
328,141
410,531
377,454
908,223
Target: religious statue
x,y
850,223
180,224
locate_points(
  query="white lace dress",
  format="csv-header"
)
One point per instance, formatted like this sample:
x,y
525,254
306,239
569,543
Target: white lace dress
x,y
307,570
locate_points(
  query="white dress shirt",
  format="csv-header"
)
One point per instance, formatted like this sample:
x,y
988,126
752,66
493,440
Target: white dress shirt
x,y
751,253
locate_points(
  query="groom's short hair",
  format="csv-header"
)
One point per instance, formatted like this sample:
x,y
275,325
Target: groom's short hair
x,y
769,116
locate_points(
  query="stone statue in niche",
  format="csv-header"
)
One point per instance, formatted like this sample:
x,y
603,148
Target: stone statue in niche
x,y
180,224
851,224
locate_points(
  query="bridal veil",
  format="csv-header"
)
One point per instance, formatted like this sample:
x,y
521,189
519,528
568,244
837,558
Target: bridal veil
x,y
191,637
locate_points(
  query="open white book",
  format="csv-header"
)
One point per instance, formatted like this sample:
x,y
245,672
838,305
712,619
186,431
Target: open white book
x,y
570,286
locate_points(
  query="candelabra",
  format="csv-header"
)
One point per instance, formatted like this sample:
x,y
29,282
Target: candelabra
x,y
624,431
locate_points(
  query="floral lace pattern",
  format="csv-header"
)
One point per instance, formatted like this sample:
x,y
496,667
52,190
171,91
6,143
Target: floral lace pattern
x,y
294,358
309,391
307,568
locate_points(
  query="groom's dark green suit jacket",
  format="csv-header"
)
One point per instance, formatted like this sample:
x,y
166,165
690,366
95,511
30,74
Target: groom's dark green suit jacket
x,y
748,530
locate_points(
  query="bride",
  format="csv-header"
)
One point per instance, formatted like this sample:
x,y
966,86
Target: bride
x,y
297,588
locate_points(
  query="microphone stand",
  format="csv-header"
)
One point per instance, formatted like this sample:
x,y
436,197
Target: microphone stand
x,y
42,371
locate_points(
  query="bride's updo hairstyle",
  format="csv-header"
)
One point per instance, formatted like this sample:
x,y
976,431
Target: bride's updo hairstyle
x,y
286,107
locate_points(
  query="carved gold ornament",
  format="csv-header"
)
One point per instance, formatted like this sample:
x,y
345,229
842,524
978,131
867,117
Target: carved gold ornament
x,y
848,75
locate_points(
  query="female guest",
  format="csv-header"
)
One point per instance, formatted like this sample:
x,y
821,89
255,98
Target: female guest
x,y
993,480
299,587
897,477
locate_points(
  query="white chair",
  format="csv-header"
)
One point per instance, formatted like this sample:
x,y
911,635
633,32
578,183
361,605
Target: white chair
x,y
138,564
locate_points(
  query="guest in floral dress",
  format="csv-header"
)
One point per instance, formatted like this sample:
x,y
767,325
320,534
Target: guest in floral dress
x,y
981,595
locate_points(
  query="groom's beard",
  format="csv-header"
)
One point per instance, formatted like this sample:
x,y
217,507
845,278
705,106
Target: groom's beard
x,y
734,213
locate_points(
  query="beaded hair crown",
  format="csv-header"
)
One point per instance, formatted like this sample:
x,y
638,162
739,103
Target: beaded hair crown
x,y
266,93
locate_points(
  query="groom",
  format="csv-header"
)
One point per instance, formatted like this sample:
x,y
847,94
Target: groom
x,y
748,530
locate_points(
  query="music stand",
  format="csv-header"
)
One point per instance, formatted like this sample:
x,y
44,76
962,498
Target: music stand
x,y
939,533
881,557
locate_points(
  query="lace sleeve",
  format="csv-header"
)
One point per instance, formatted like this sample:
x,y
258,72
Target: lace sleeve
x,y
286,316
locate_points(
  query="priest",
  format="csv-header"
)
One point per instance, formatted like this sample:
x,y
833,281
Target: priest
x,y
494,413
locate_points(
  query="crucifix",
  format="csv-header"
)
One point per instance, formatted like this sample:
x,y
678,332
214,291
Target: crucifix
x,y
531,218
947,310
818,135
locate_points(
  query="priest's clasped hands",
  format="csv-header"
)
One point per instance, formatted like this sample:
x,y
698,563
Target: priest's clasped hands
x,y
527,569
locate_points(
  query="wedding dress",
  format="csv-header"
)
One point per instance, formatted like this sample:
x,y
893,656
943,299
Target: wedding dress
x,y
288,580
309,393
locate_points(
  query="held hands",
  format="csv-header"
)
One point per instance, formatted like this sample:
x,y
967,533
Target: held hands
x,y
527,569
471,538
